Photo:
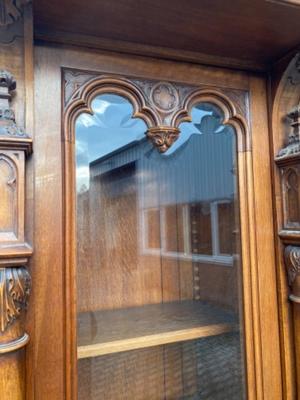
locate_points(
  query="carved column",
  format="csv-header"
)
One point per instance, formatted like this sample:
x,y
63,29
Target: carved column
x,y
15,282
288,160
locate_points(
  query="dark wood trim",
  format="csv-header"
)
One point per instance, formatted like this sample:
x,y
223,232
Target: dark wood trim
x,y
93,42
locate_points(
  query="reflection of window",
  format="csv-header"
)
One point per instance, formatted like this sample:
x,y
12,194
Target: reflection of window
x,y
152,218
200,231
226,221
174,228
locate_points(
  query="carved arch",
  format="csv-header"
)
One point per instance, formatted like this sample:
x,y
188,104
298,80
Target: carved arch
x,y
163,124
82,101
231,116
10,186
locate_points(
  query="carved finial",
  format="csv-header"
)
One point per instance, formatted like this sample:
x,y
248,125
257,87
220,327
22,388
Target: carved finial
x,y
292,262
163,137
293,146
8,125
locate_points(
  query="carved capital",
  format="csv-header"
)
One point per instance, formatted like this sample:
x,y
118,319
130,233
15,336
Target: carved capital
x,y
292,262
15,285
163,137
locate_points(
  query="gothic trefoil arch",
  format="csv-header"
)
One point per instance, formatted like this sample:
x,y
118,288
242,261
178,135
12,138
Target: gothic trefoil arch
x,y
162,105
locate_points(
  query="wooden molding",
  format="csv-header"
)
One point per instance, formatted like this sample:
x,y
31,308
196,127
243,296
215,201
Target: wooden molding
x,y
126,47
14,345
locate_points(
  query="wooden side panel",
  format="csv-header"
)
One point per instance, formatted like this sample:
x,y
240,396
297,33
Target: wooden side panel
x,y
265,251
48,274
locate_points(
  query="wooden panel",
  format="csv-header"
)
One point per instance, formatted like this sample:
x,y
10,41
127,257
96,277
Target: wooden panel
x,y
48,258
8,194
265,251
107,332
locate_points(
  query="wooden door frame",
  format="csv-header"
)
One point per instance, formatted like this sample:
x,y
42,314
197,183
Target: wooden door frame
x,y
52,335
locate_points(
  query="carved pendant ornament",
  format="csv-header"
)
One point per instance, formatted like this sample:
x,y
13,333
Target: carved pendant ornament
x,y
162,105
15,285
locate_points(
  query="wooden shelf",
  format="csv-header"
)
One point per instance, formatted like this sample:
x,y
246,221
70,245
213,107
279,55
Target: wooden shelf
x,y
107,332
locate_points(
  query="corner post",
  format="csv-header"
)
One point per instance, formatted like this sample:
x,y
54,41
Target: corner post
x,y
15,281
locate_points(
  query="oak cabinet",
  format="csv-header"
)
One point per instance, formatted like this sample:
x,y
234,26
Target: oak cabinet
x,y
149,199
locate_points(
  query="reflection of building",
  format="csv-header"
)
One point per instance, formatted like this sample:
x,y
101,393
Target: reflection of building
x,y
175,209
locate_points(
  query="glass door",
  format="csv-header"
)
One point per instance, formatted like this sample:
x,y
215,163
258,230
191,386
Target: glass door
x,y
159,285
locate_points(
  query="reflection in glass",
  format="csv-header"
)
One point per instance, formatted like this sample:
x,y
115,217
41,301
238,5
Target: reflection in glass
x,y
158,259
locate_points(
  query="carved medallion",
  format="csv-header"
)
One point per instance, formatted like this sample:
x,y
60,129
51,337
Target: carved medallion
x,y
164,96
15,285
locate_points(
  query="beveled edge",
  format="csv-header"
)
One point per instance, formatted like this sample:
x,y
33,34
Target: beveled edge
x,y
15,344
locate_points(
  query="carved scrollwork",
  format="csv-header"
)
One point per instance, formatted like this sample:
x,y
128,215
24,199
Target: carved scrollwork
x,y
15,285
11,11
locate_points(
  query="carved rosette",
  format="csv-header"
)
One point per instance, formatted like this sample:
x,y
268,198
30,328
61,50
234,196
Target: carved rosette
x,y
15,285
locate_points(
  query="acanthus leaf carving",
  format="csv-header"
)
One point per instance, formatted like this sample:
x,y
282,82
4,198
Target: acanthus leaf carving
x,y
163,137
292,258
15,285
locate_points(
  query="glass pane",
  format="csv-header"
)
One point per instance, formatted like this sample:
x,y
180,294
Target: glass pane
x,y
158,259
